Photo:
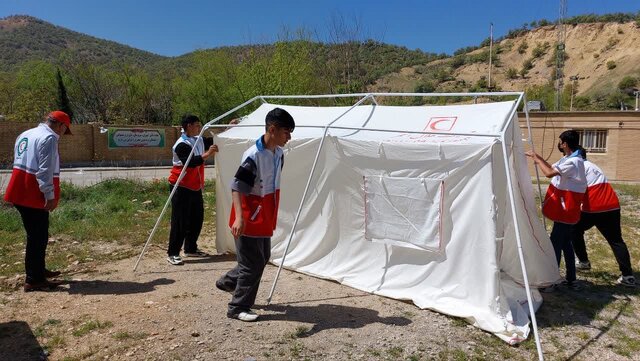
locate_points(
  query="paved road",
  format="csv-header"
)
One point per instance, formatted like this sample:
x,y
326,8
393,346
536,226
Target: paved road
x,y
84,177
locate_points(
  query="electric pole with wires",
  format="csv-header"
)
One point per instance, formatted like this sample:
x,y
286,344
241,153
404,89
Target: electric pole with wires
x,y
560,47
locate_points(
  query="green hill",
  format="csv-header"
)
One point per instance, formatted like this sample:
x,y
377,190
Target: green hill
x,y
25,38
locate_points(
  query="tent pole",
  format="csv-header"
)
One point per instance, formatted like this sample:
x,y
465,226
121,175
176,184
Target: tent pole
x,y
304,194
519,242
535,166
182,173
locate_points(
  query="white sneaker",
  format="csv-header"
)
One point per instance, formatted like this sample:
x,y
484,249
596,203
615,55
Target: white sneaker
x,y
583,266
175,260
246,316
627,281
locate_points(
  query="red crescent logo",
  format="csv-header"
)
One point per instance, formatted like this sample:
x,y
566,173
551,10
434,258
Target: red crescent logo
x,y
447,123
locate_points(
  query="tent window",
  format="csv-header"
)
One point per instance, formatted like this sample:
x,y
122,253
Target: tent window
x,y
405,212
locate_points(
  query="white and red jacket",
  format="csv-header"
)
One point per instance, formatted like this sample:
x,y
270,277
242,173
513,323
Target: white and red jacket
x,y
566,191
258,182
194,175
36,168
600,196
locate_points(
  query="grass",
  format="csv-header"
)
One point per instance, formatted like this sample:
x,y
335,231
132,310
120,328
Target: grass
x,y
300,331
107,221
89,326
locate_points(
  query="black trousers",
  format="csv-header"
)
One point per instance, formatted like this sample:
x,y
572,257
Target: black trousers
x,y
608,223
252,255
36,224
187,215
561,239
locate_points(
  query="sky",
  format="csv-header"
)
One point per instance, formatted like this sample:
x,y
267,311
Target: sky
x,y
173,28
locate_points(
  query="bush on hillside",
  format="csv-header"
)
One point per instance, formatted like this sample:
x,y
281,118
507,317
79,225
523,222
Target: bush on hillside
x,y
523,47
611,43
628,82
511,73
540,50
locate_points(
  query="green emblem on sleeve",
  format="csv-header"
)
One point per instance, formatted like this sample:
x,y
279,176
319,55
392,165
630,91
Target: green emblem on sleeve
x,y
22,146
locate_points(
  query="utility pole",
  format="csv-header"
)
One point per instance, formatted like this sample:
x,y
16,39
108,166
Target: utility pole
x,y
560,53
490,54
637,94
573,82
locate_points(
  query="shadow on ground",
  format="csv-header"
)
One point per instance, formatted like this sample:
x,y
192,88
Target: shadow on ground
x,y
99,287
327,316
18,343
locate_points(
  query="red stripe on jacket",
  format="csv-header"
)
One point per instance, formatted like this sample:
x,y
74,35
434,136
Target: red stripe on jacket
x,y
600,198
260,214
23,190
562,205
193,178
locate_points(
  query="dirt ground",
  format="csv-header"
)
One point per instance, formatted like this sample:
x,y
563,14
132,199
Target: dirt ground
x,y
165,312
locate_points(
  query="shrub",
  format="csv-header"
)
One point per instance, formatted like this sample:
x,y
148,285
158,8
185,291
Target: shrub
x,y
424,87
511,73
627,82
581,102
523,47
540,50
481,83
596,55
611,43
611,64
457,61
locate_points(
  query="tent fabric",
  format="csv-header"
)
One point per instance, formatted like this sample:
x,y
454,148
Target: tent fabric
x,y
419,217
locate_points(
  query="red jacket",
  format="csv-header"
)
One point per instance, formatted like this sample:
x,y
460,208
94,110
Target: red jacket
x,y
36,168
194,176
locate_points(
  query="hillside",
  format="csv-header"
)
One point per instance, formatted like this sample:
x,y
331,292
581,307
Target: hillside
x,y
25,38
599,55
112,83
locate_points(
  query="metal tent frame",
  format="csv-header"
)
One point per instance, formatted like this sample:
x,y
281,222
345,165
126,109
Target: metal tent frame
x,y
500,136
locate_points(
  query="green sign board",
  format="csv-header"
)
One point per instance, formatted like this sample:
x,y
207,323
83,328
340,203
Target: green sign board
x,y
135,137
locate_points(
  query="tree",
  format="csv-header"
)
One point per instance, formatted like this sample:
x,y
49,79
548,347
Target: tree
x,y
627,83
94,90
63,99
211,85
8,94
544,93
36,91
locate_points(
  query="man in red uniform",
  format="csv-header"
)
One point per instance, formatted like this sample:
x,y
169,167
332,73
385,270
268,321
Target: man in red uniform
x,y
601,208
34,189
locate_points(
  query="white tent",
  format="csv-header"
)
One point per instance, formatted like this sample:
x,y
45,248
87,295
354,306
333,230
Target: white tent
x,y
432,204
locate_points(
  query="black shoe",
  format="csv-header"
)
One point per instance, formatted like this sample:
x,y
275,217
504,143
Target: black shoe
x,y
51,274
224,288
40,286
197,253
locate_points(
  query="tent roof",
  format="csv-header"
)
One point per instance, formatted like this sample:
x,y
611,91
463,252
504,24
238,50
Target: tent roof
x,y
387,123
